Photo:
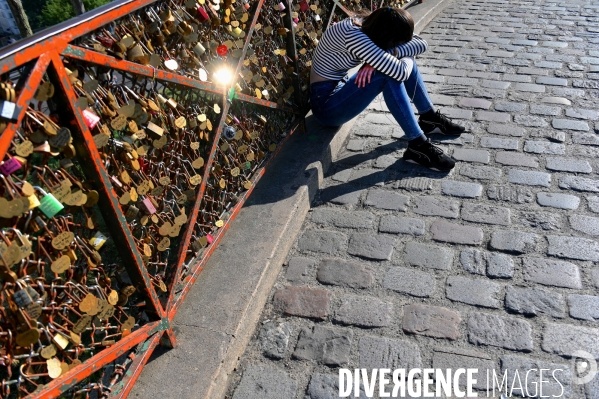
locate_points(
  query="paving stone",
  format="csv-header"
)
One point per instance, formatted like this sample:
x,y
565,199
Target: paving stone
x,y
508,193
529,87
453,358
565,339
545,80
592,388
461,189
480,172
544,147
274,338
573,248
323,386
432,321
379,119
516,159
385,199
475,103
433,206
498,117
457,113
556,100
303,301
415,184
440,99
372,129
508,106
456,234
586,139
343,219
558,200
342,176
324,241
529,178
344,273
356,145
368,177
490,263
509,333
514,241
484,75
567,92
534,301
377,353
586,224
543,220
265,382
342,194
579,184
299,269
328,345
551,272
477,292
580,113
539,109
399,225
517,78
366,245
462,81
530,120
494,142
469,155
525,366
549,65
506,130
584,307
364,311
431,256
409,281
480,213
495,84
568,165
569,124
385,161
499,53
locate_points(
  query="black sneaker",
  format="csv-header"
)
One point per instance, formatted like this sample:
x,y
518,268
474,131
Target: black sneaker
x,y
429,156
439,123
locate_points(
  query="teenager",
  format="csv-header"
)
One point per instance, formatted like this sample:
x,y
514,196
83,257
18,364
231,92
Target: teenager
x,y
385,42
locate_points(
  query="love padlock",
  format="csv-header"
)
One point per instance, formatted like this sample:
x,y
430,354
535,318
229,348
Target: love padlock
x,y
49,205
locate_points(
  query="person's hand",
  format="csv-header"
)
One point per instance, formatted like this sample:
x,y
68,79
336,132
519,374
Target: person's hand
x,y
364,75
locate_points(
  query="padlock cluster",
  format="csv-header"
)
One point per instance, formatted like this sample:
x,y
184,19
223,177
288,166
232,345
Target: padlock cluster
x,y
250,136
154,138
65,294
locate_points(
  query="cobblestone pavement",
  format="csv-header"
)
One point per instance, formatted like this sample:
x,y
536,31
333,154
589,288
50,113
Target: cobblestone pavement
x,y
492,266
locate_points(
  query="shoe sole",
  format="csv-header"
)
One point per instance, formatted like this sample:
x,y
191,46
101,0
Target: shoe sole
x,y
428,167
439,131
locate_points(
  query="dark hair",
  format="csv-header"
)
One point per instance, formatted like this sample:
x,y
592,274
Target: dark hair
x,y
388,27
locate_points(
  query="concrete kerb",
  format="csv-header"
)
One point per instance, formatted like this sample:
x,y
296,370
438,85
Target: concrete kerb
x,y
220,314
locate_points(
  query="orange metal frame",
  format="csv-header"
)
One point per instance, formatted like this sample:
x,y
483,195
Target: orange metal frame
x,y
45,50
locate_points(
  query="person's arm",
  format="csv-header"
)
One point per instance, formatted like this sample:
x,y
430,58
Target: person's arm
x,y
360,45
412,48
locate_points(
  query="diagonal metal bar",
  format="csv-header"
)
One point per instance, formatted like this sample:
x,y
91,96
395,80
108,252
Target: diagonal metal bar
x,y
33,81
59,386
198,265
109,204
196,208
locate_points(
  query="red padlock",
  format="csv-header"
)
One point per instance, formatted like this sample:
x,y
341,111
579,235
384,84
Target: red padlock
x,y
304,6
202,14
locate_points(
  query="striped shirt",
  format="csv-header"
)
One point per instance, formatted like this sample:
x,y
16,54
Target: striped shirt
x,y
344,46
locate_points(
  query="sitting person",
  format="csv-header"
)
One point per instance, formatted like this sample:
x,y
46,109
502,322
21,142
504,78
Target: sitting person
x,y
385,42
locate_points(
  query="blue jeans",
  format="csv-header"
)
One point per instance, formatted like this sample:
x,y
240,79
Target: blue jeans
x,y
349,101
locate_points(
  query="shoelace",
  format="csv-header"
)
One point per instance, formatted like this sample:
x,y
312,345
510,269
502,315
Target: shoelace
x,y
445,121
435,149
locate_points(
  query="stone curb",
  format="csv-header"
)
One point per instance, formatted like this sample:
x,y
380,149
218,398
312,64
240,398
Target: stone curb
x,y
220,313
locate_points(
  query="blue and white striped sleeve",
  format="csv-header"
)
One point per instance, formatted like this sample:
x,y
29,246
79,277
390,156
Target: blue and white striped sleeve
x,y
360,45
412,48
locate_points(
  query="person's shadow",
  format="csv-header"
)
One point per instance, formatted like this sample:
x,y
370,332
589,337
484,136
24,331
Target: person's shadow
x,y
298,162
